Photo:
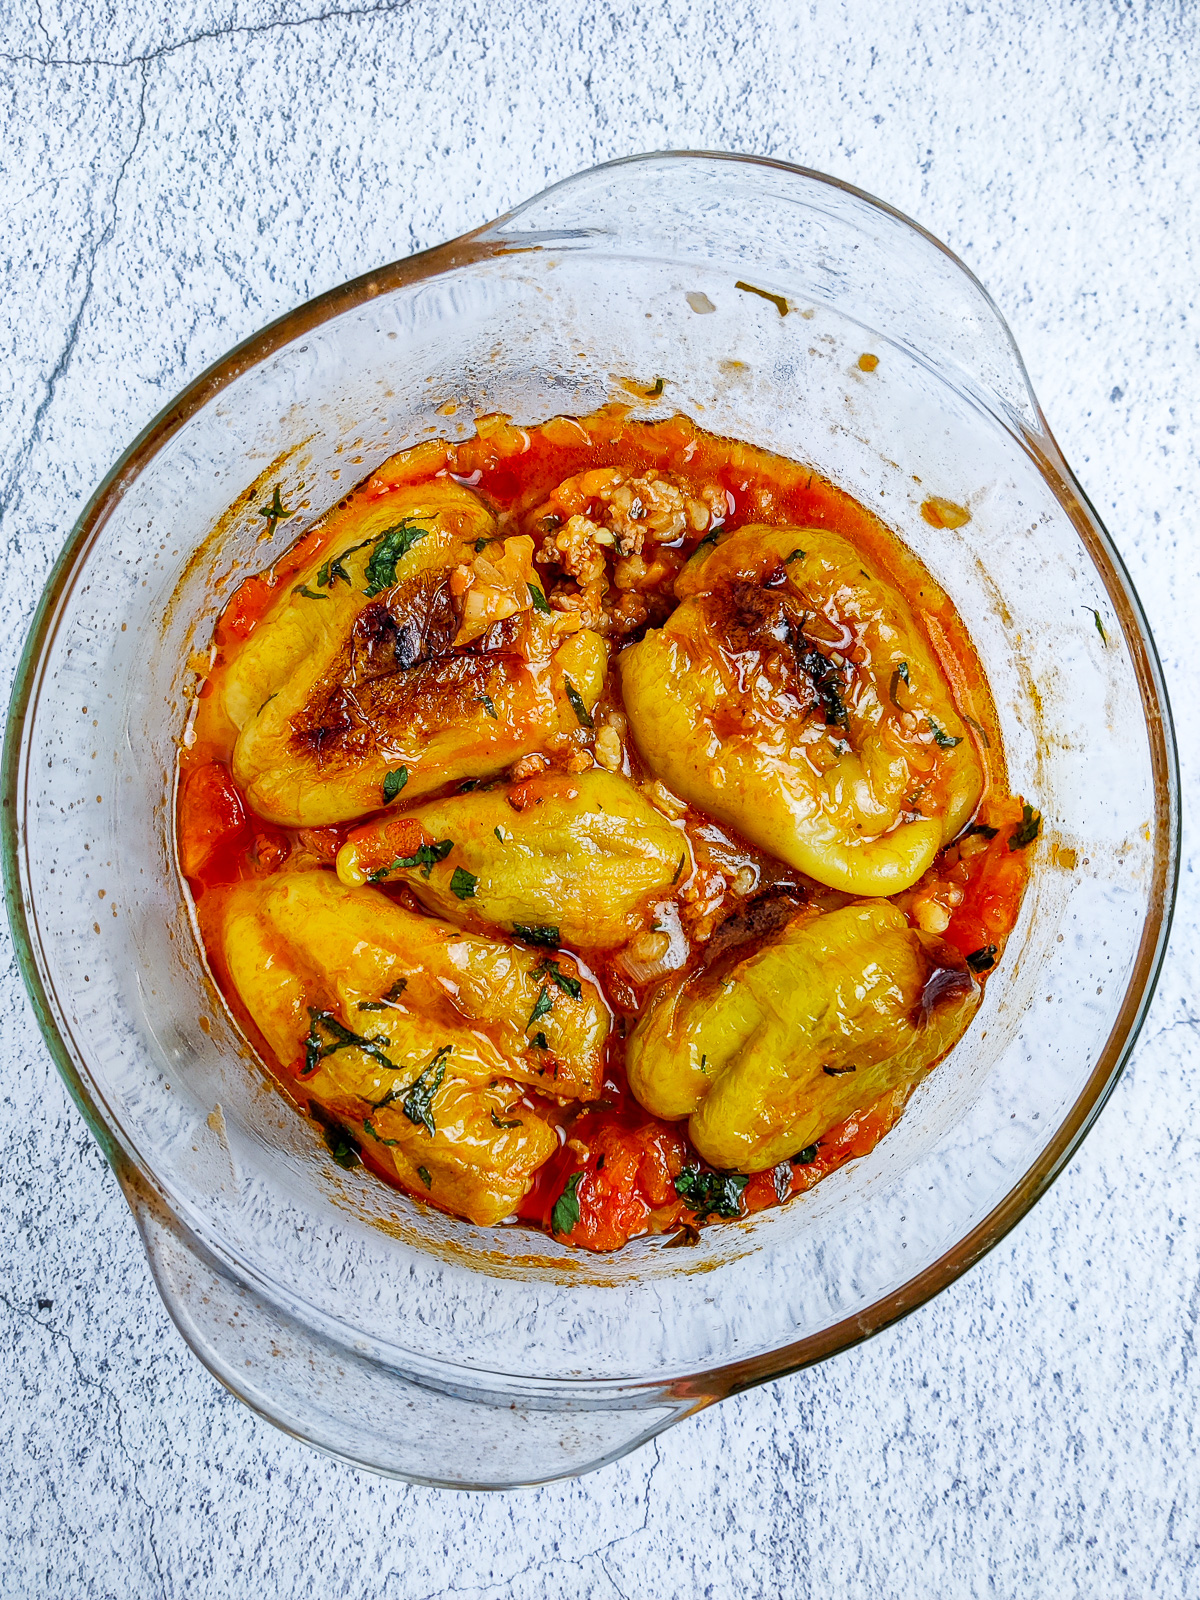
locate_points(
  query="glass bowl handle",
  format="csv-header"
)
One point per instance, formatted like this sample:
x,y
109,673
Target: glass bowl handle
x,y
349,1403
800,235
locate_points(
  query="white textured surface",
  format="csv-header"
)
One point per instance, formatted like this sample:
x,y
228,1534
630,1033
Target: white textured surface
x,y
176,176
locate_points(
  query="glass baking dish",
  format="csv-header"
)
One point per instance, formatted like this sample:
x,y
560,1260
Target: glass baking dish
x,y
352,1316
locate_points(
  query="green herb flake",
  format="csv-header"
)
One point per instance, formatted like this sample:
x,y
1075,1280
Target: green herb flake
x,y
488,704
679,869
423,1174
462,883
496,1122
542,1006
540,603
776,300
537,933
1027,830
806,1157
390,546
900,676
275,513
369,1127
539,1042
426,856
1099,624
983,959
481,544
307,593
385,1002
582,715
393,782
659,385
339,1141
417,1104
945,740
499,832
796,555
317,1048
711,1194
982,829
566,1208
333,571
565,982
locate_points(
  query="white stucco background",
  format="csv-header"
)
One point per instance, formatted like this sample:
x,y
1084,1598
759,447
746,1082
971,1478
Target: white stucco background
x,y
173,177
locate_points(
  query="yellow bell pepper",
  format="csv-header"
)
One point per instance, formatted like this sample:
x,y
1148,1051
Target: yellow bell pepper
x,y
584,854
765,1056
416,1037
792,695
354,685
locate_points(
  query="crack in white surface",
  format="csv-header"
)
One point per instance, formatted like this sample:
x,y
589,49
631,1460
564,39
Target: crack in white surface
x,y
203,36
89,258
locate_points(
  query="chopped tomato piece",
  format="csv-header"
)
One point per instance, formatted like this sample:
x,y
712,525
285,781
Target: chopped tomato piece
x,y
211,815
611,1182
247,605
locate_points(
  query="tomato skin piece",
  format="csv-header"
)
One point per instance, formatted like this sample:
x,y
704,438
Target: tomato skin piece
x,y
212,816
247,605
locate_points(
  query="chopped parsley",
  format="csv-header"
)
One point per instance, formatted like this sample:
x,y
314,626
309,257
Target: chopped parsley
x,y
982,829
391,545
1099,624
481,544
776,300
369,1127
826,682
317,1048
309,594
582,715
275,513
837,1072
385,1002
539,1041
945,740
496,1122
565,982
983,959
542,1006
426,856
679,868
537,933
566,1208
499,832
417,1104
1027,830
488,704
339,1141
709,1194
462,884
805,1157
423,1174
659,385
393,782
796,555
540,603
900,676
332,571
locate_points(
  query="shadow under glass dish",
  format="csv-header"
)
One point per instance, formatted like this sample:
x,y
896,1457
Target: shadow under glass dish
x,y
411,1342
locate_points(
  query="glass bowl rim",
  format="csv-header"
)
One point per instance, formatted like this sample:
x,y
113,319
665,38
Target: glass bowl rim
x,y
136,1176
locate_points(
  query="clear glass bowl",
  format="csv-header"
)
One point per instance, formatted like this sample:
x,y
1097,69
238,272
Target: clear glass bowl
x,y
392,1336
